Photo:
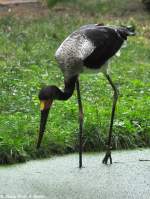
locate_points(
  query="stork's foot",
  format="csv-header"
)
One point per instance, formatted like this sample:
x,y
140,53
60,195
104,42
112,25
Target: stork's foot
x,y
107,157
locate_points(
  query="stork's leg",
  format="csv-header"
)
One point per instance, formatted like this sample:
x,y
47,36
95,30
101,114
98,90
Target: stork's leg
x,y
80,122
115,97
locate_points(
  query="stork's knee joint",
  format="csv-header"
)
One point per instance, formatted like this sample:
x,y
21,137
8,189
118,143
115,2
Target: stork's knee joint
x,y
116,93
81,116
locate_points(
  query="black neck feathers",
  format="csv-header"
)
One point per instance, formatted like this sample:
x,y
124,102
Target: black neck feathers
x,y
68,90
54,93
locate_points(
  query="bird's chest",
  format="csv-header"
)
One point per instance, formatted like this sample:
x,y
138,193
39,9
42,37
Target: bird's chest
x,y
73,50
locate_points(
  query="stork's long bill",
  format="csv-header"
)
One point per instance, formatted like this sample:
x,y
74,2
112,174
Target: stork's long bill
x,y
45,107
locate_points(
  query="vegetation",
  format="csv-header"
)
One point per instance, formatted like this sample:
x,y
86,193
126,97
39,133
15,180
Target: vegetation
x,y
147,3
27,63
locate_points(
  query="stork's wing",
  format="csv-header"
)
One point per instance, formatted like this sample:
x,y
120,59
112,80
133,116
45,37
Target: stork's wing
x,y
107,42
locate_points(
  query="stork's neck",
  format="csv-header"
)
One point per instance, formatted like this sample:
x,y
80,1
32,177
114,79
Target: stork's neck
x,y
68,90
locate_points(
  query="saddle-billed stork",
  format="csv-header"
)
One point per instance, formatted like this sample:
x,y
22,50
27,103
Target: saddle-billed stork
x,y
90,47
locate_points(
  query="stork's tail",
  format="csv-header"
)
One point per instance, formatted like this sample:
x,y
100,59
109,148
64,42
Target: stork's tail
x,y
126,31
130,30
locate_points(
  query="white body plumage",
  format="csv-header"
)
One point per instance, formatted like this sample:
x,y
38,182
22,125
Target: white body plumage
x,y
71,53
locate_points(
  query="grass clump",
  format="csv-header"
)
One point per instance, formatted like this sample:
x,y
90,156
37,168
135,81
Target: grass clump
x,y
52,3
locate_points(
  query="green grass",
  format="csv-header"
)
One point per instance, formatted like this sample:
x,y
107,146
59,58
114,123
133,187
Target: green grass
x,y
27,63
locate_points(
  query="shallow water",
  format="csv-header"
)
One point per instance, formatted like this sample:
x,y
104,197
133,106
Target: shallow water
x,y
60,177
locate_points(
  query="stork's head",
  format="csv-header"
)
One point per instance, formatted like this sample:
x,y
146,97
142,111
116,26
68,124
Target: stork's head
x,y
46,97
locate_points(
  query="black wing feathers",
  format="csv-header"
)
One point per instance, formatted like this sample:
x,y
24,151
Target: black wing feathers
x,y
107,42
